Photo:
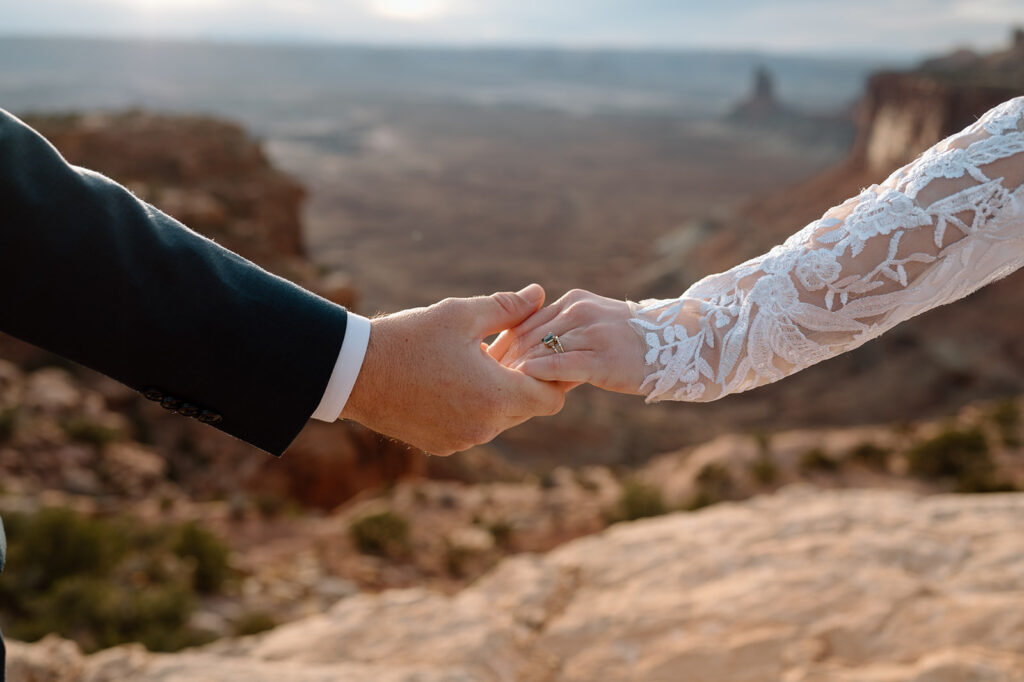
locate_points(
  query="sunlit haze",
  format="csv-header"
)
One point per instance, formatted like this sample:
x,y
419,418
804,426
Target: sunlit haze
x,y
875,26
410,10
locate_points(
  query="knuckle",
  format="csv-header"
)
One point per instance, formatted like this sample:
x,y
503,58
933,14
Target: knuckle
x,y
447,305
574,295
576,313
508,301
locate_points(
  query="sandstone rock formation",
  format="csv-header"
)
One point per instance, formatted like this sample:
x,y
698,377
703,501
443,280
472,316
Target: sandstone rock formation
x,y
762,110
802,586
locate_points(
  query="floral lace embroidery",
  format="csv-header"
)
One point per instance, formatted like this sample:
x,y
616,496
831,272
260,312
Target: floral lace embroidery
x,y
840,282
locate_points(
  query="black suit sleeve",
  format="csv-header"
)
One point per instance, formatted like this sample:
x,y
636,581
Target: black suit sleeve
x,y
91,273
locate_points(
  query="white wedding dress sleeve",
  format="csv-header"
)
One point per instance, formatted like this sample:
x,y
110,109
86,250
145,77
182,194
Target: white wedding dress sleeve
x,y
936,230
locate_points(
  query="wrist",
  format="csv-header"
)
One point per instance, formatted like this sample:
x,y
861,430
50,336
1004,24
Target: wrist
x,y
367,391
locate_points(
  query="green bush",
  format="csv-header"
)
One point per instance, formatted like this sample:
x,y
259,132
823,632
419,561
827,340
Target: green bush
x,y
457,560
209,554
817,460
1006,416
639,500
8,423
99,614
714,484
384,534
98,581
960,456
764,470
84,430
870,455
501,531
56,543
253,622
270,506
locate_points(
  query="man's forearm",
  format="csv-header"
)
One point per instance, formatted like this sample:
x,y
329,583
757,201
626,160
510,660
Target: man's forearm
x,y
94,274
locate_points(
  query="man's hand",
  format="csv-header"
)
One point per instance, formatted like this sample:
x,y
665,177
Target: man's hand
x,y
427,378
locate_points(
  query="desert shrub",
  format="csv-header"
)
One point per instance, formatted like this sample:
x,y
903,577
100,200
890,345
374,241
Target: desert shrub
x,y
100,614
1006,416
870,455
85,430
501,531
961,456
253,622
639,500
457,560
714,484
700,500
209,554
385,534
58,544
101,582
817,460
764,470
269,506
548,481
8,423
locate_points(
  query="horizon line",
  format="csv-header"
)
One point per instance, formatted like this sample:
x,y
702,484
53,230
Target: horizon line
x,y
866,54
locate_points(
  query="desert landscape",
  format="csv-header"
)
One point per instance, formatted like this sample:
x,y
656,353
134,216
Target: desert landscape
x,y
855,522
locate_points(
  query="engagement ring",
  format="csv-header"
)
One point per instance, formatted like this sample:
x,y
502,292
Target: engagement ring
x,y
552,342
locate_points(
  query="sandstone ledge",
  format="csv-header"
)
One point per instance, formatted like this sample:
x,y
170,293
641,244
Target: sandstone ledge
x,y
803,586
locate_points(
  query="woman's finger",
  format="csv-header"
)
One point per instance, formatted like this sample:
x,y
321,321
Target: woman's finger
x,y
571,340
529,333
500,345
572,366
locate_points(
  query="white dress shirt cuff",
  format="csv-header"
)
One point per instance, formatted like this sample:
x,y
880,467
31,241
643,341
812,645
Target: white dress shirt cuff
x,y
346,369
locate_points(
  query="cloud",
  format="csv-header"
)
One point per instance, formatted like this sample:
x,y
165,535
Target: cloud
x,y
171,6
410,10
990,11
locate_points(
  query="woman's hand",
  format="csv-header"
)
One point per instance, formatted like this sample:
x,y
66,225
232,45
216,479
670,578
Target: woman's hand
x,y
600,348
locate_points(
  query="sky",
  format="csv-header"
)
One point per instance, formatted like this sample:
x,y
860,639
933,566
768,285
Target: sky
x,y
909,27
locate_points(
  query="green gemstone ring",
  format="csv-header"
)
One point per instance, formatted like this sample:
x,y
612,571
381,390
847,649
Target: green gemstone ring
x,y
552,342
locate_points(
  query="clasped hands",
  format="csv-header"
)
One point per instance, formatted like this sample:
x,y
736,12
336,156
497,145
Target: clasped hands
x,y
429,379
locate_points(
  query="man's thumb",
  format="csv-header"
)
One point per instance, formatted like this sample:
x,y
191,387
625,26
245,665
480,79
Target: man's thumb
x,y
505,309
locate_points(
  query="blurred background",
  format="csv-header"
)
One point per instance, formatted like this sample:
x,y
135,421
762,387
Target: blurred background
x,y
390,153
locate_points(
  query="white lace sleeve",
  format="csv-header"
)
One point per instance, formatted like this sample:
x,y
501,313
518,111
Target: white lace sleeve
x,y
934,231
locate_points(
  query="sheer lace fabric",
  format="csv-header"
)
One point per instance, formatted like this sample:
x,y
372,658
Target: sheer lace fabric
x,y
937,229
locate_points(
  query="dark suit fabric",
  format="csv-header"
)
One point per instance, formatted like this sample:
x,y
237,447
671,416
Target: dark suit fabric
x,y
91,273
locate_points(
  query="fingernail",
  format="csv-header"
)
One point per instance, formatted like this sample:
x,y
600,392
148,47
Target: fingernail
x,y
533,292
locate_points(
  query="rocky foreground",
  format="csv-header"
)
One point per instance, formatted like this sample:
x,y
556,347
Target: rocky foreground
x,y
803,585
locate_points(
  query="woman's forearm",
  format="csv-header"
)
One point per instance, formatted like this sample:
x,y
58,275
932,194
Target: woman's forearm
x,y
933,232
